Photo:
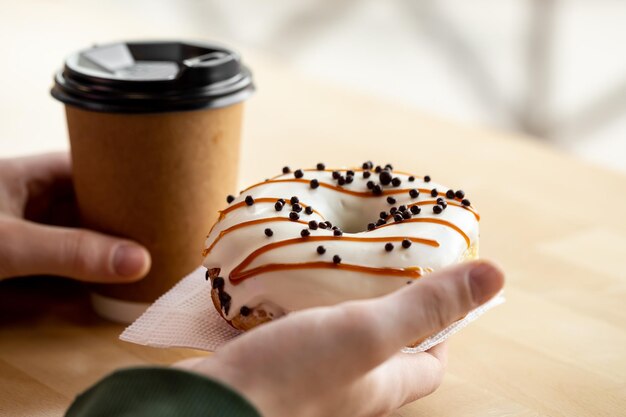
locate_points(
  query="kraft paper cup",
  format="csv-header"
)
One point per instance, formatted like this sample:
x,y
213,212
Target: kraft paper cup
x,y
155,151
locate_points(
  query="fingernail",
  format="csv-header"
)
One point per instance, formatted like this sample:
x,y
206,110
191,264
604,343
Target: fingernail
x,y
129,260
485,281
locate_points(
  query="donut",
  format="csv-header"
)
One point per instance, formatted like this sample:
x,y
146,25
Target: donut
x,y
320,236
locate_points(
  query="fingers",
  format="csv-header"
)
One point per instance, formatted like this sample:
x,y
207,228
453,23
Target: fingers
x,y
29,249
400,380
29,184
366,333
46,167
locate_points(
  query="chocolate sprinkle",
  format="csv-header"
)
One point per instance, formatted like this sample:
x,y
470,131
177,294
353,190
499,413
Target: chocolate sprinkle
x,y
411,178
230,199
433,192
336,259
377,169
336,174
389,246
308,210
322,225
286,170
349,179
389,167
377,190
320,166
391,200
305,233
218,283
426,178
245,311
268,232
298,173
370,185
466,202
206,275
368,165
350,173
294,216
380,222
314,183
385,177
383,215
396,182
321,250
402,208
406,243
437,209
371,226
459,194
337,232
397,218
278,206
224,301
440,200
296,207
249,200
341,180
450,194
414,193
393,210
406,215
313,225
415,209
294,200
366,174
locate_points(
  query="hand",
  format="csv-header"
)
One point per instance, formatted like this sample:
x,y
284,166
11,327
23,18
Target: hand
x,y
36,197
344,360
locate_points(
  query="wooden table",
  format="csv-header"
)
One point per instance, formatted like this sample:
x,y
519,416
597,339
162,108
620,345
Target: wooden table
x,y
557,226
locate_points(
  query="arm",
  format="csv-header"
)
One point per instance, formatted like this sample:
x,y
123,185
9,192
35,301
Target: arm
x,y
156,392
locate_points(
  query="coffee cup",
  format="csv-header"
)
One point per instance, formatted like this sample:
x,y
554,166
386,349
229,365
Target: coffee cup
x,y
154,130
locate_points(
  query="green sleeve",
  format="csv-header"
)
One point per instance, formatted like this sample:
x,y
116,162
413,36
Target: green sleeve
x,y
159,392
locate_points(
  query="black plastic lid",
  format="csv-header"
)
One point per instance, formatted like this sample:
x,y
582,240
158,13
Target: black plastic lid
x,y
149,77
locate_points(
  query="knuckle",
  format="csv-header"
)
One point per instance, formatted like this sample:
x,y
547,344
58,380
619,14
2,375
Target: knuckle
x,y
361,324
436,305
76,252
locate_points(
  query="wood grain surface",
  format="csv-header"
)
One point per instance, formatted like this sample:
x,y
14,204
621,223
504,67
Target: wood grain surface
x,y
556,225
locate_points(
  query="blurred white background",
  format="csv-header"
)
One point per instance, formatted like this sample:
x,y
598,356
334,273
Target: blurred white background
x,y
553,69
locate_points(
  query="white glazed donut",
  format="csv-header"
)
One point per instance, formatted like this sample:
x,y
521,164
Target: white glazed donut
x,y
271,251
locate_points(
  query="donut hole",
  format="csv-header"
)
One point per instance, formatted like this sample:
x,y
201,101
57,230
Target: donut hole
x,y
353,216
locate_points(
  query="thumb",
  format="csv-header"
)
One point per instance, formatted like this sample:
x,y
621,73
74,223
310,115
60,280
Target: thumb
x,y
30,249
371,331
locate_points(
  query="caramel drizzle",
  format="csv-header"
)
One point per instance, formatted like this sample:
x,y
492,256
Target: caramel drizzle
x,y
224,232
238,274
236,206
431,220
345,170
433,202
240,204
343,190
397,272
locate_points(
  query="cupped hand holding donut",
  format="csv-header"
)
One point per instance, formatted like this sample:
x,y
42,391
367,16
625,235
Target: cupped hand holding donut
x,y
343,360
